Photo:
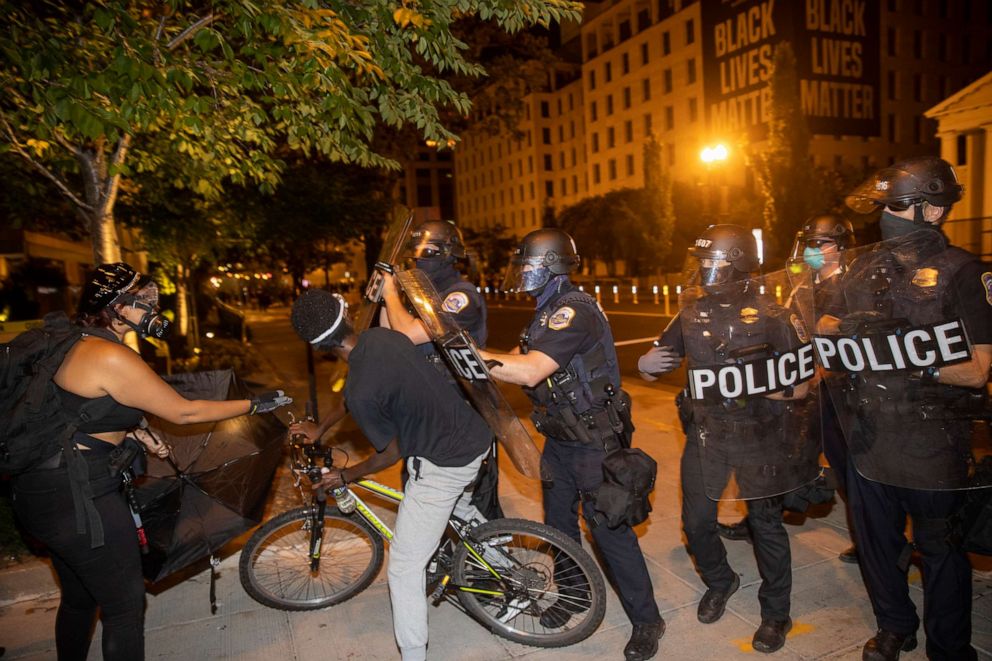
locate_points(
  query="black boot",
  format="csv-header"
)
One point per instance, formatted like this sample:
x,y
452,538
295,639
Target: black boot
x,y
714,602
849,555
643,643
735,531
885,646
770,636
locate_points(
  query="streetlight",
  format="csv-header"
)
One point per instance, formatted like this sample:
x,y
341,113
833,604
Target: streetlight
x,y
711,155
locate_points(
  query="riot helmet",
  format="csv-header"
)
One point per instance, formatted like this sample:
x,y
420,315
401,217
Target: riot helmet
x,y
908,183
542,254
725,253
436,239
119,284
321,319
822,235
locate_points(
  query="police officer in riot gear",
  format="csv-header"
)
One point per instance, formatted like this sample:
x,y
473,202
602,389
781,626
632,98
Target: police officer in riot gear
x,y
909,440
820,245
726,317
567,364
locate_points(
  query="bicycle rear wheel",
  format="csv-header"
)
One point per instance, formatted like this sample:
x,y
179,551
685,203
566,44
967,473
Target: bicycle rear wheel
x,y
275,563
556,595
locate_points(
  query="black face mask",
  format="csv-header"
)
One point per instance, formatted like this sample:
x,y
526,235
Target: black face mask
x,y
434,267
894,227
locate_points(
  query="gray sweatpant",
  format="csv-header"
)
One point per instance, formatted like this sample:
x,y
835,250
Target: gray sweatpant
x,y
430,496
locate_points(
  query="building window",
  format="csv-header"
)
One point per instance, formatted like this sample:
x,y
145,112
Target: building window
x,y
571,129
548,164
595,173
625,64
966,48
561,133
917,44
692,70
561,160
666,43
546,135
646,89
962,146
575,184
545,109
612,168
671,154
624,30
611,138
692,110
608,72
628,131
532,190
893,81
893,128
918,130
669,118
595,143
645,53
562,188
942,47
917,87
667,76
609,105
630,165
549,189
592,80
626,98
690,32
573,157
893,48
647,124
593,114
643,19
571,103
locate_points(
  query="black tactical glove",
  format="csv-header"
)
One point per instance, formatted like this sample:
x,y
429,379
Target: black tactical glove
x,y
659,360
268,401
857,321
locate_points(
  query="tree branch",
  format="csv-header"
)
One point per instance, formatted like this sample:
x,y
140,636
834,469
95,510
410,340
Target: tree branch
x,y
61,185
114,178
190,31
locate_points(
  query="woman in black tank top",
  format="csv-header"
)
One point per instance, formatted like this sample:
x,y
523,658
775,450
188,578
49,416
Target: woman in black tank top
x,y
106,377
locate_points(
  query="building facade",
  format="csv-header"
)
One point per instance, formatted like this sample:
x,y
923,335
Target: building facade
x,y
694,73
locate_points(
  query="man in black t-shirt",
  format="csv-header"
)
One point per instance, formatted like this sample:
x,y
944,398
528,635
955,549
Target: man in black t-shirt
x,y
407,409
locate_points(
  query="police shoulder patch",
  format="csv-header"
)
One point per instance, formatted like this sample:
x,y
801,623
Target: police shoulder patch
x,y
562,318
455,302
987,283
800,327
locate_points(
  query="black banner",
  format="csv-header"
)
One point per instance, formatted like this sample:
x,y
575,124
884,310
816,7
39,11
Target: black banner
x,y
836,43
933,345
753,378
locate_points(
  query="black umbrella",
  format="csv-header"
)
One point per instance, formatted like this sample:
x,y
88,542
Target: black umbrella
x,y
214,485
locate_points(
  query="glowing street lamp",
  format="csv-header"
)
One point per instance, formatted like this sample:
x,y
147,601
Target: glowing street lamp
x,y
715,153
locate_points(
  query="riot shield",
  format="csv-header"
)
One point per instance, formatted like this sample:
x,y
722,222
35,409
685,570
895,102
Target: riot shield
x,y
900,324
750,366
463,359
394,243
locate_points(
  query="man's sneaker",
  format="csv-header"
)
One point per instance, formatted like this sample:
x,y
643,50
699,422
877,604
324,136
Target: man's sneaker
x,y
643,643
714,602
885,646
850,555
770,636
735,531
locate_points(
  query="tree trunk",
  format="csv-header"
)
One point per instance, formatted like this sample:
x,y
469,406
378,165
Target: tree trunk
x,y
103,232
182,306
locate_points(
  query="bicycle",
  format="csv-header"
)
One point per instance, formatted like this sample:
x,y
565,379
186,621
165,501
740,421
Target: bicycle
x,y
523,580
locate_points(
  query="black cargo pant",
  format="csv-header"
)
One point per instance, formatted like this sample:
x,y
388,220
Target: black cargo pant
x,y
771,541
108,577
879,513
576,468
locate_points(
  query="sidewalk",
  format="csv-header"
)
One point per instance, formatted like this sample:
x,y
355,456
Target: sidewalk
x,y
830,608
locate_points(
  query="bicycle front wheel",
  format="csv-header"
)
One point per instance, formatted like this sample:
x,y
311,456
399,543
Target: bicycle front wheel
x,y
275,563
549,593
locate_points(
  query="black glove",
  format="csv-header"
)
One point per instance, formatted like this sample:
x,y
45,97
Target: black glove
x,y
659,360
855,321
268,401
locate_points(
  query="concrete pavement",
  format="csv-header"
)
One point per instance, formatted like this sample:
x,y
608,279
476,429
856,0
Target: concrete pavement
x,y
830,608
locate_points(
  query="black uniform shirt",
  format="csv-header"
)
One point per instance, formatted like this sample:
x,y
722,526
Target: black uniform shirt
x,y
392,392
561,331
973,284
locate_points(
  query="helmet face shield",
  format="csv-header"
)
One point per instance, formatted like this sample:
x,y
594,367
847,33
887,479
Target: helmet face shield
x,y
905,184
526,274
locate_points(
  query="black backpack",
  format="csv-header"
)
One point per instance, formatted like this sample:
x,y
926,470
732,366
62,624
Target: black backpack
x,y
35,426
628,479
